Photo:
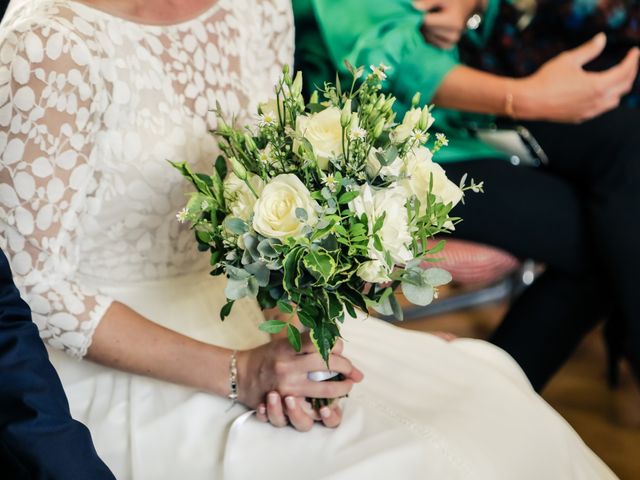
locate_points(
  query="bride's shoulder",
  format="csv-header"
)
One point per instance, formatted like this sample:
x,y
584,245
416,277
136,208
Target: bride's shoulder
x,y
52,35
44,18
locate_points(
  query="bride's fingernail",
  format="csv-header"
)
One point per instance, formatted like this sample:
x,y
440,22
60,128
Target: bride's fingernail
x,y
291,402
273,398
325,412
308,409
262,410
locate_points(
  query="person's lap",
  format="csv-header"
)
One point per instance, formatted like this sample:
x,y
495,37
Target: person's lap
x,y
547,214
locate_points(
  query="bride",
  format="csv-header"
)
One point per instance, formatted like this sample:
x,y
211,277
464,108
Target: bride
x,y
95,96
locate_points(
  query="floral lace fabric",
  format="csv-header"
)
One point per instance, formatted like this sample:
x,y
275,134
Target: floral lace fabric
x,y
91,108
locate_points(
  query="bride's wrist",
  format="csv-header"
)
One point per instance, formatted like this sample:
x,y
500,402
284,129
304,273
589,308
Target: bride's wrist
x,y
243,377
216,377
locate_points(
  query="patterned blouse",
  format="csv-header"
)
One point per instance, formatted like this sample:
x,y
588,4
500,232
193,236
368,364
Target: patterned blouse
x,y
528,33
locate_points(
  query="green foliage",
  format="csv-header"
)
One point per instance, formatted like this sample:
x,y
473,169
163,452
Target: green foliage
x,y
318,272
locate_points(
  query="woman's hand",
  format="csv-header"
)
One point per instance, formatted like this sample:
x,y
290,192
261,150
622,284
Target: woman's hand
x,y
446,20
562,91
297,412
277,367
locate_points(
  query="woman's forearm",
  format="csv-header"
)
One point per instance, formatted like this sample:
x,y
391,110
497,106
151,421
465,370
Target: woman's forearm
x,y
559,91
128,341
472,90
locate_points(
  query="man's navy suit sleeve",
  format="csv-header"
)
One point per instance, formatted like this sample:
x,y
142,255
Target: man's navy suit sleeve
x,y
38,437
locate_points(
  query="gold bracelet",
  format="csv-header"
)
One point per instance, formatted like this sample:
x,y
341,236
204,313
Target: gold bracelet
x,y
508,106
233,378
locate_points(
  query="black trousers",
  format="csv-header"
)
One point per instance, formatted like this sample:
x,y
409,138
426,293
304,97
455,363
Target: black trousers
x,y
579,216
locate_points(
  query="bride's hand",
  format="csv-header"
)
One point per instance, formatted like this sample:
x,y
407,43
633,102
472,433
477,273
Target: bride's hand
x,y
298,412
276,366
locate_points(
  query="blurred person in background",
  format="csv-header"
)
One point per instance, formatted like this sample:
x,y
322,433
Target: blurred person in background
x,y
571,212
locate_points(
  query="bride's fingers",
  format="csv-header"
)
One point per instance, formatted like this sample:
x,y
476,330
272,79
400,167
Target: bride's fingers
x,y
331,416
328,389
261,413
338,347
445,336
298,418
275,413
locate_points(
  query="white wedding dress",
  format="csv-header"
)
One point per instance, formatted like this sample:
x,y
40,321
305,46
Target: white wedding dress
x,y
91,107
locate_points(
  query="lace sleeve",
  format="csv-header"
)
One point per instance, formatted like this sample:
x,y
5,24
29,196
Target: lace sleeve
x,y
48,120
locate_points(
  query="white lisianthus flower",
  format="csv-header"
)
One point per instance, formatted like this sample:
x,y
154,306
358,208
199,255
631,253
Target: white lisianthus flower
x,y
275,210
394,234
271,107
239,197
420,169
374,271
374,167
324,133
409,123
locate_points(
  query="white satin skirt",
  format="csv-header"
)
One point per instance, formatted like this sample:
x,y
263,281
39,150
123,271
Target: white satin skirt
x,y
427,409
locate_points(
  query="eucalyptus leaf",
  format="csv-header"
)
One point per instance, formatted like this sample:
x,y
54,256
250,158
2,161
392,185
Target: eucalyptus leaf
x,y
260,271
301,214
251,245
436,276
236,226
252,286
236,289
235,273
418,294
265,248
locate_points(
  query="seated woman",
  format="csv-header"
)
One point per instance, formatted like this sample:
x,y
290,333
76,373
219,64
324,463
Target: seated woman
x,y
95,96
527,34
571,213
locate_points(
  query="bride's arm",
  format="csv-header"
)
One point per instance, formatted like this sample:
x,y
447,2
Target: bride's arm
x,y
52,113
128,341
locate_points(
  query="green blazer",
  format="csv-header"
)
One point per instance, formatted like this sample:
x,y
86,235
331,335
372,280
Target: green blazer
x,y
370,32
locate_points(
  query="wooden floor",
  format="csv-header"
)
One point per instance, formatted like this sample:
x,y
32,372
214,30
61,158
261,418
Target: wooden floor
x,y
608,421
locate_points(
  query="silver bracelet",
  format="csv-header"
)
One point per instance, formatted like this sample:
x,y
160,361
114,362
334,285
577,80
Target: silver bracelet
x,y
233,379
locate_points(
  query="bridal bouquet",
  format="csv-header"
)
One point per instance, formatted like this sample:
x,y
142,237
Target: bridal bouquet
x,y
325,206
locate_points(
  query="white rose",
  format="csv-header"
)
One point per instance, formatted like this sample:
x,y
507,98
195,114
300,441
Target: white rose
x,y
419,170
374,168
240,199
394,234
275,210
324,133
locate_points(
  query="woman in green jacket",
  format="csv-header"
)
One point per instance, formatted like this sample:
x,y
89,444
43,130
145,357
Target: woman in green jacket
x,y
573,212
